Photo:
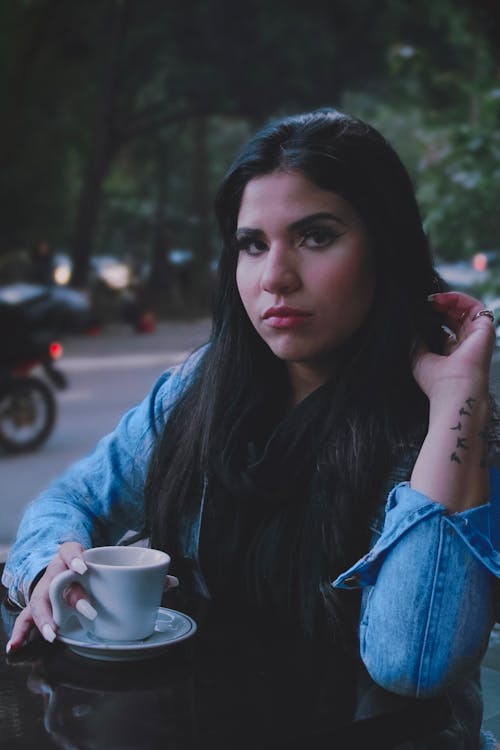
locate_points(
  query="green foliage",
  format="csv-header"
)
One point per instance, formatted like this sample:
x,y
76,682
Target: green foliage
x,y
442,113
459,189
46,92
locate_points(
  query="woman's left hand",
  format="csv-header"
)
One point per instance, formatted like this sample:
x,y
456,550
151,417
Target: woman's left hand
x,y
452,462
468,351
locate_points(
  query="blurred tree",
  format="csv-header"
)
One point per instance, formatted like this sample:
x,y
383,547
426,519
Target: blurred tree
x,y
442,112
85,86
459,189
42,77
146,65
165,63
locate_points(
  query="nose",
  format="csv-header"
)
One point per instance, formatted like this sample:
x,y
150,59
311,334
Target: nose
x,y
280,273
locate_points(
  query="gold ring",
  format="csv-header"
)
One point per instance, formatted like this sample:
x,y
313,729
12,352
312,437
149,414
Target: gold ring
x,y
484,313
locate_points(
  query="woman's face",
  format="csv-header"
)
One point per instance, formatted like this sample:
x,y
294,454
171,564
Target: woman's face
x,y
304,270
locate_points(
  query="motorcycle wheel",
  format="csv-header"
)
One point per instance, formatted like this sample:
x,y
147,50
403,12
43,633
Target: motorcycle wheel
x,y
27,414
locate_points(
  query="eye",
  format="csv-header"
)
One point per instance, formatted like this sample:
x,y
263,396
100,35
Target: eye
x,y
250,245
319,237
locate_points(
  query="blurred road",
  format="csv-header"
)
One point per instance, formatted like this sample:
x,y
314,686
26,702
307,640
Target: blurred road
x,y
107,375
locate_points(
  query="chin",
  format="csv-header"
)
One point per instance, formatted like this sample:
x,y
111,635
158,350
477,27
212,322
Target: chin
x,y
292,353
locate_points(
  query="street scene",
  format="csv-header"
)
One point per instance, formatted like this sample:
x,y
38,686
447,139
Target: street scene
x,y
314,188
107,374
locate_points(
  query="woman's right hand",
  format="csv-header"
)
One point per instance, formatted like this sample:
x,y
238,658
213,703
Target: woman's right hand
x,y
38,612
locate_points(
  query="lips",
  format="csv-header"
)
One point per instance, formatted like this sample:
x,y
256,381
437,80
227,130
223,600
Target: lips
x,y
285,317
285,312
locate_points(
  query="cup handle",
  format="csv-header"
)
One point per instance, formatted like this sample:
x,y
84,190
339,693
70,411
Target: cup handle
x,y
61,610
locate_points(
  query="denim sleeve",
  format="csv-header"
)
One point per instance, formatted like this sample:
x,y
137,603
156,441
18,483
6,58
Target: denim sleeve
x,y
100,497
429,592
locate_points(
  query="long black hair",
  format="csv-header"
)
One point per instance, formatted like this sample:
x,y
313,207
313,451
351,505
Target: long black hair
x,y
289,496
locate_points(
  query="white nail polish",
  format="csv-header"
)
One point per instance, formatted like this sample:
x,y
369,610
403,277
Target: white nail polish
x,y
48,633
78,565
8,647
86,609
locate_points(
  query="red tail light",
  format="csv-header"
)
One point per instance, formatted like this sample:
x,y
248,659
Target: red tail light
x,y
56,350
480,262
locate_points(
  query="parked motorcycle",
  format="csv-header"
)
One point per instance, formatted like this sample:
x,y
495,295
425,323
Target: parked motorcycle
x,y
27,401
28,377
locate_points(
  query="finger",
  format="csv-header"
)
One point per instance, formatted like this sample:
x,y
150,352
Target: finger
x,y
76,596
450,341
21,630
460,308
461,315
454,303
42,611
171,582
72,555
39,603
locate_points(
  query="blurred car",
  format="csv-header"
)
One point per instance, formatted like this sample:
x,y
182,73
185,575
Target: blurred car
x,y
114,273
110,271
58,309
63,267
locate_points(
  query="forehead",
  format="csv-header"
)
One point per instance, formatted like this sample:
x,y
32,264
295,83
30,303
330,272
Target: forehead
x,y
288,196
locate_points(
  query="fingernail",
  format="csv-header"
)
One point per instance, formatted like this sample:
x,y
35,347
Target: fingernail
x,y
8,647
78,565
48,633
431,297
86,609
171,582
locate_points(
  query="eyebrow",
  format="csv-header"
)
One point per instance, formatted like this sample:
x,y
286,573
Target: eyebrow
x,y
299,224
320,216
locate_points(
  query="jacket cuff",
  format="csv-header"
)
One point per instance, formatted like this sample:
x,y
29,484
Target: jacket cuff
x,y
407,507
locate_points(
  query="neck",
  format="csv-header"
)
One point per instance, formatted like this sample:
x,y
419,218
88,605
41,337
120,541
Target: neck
x,y
304,380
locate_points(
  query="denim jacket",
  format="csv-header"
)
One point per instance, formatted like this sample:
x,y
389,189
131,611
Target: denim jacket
x,y
429,580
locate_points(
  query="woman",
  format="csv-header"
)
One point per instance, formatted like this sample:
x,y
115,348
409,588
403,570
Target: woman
x,y
335,429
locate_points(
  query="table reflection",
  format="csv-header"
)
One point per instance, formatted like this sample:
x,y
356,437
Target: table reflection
x,y
132,707
229,686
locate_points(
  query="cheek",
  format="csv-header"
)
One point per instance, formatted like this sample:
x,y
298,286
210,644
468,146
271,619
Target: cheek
x,y
350,284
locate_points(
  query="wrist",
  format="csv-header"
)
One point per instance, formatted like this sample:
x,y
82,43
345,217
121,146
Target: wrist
x,y
452,464
444,388
461,399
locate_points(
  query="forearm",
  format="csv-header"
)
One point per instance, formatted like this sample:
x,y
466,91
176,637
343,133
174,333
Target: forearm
x,y
428,603
452,465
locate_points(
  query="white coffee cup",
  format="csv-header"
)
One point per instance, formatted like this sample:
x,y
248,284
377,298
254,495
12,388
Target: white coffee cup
x,y
125,586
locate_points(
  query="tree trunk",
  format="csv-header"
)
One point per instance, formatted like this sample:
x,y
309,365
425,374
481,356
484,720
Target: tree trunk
x,y
200,281
158,276
37,22
101,146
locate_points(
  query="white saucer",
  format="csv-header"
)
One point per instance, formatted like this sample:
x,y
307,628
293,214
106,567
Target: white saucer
x,y
171,627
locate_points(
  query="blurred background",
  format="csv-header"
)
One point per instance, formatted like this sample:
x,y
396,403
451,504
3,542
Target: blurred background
x,y
119,117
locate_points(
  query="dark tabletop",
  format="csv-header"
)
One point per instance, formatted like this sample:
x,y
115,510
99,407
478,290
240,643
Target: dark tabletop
x,y
219,688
